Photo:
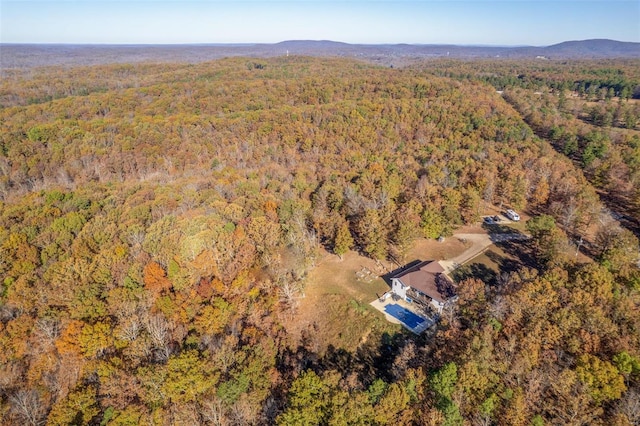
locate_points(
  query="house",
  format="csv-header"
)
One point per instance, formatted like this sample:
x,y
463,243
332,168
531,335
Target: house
x,y
426,284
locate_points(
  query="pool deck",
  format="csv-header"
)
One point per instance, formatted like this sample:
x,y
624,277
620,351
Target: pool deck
x,y
381,304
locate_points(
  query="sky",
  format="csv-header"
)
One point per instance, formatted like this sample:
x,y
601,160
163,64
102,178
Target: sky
x,y
469,22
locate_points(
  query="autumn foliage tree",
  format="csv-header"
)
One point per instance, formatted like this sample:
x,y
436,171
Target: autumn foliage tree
x,y
158,223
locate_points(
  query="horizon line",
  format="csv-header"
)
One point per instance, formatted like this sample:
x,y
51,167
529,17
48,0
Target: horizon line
x,y
249,44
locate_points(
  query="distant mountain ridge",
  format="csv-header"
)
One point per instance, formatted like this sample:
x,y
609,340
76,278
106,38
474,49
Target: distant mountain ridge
x,y
579,49
596,47
32,55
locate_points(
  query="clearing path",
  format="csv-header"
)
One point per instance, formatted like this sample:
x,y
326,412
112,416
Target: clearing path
x,y
479,243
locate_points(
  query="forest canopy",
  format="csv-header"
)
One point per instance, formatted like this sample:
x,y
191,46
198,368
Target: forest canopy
x,y
158,223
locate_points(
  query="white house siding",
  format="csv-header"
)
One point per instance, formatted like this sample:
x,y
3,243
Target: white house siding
x,y
437,305
398,288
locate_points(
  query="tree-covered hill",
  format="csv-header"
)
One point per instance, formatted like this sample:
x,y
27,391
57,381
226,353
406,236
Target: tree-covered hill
x,y
158,221
25,56
588,110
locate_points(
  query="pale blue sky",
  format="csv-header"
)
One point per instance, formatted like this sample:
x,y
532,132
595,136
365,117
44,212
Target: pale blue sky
x,y
514,22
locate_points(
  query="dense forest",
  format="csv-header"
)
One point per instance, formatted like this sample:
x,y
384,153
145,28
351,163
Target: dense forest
x,y
588,110
158,224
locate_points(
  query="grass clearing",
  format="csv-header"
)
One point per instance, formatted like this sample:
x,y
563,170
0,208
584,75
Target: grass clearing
x,y
336,303
425,249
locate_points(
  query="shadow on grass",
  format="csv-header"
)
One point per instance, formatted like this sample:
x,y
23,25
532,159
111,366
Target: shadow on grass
x,y
376,358
387,277
371,359
507,257
475,270
501,233
522,250
505,264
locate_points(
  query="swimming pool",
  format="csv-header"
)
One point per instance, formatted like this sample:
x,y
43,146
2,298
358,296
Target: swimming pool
x,y
407,317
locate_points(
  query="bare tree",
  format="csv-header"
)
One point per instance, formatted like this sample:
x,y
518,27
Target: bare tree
x,y
354,201
608,232
629,406
482,419
184,414
27,407
403,360
570,215
290,294
48,330
135,240
504,279
499,307
422,188
158,329
489,192
241,413
129,329
212,412
10,374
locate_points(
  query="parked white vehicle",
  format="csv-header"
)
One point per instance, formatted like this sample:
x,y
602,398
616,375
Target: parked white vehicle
x,y
512,215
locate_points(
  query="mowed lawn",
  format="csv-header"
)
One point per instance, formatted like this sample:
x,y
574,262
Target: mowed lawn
x,y
335,309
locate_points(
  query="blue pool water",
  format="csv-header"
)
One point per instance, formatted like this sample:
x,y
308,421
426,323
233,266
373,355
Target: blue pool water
x,y
407,317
